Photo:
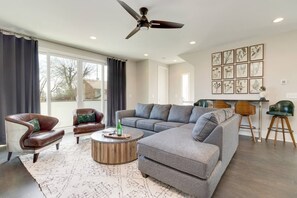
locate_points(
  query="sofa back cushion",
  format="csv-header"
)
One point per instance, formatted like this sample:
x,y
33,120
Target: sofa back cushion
x,y
209,121
179,113
143,110
197,112
160,112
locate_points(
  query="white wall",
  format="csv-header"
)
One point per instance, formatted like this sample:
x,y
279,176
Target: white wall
x,y
153,81
175,82
131,84
279,63
142,74
147,80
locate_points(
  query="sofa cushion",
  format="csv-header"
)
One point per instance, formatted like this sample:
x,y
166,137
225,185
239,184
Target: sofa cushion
x,y
160,112
130,121
188,156
197,112
188,126
147,124
88,127
161,126
209,121
143,110
43,138
179,113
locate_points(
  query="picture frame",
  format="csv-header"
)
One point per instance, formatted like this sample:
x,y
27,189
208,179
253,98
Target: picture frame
x,y
216,73
228,72
256,52
228,87
216,59
255,84
216,87
256,69
241,86
228,57
242,70
241,54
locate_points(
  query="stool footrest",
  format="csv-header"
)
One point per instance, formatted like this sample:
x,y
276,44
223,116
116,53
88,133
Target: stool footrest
x,y
280,129
247,127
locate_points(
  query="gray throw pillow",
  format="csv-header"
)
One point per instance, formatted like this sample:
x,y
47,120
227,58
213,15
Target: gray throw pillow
x,y
209,121
143,110
160,112
199,111
179,113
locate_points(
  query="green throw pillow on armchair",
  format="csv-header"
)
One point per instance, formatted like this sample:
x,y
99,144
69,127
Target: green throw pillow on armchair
x,y
85,118
35,123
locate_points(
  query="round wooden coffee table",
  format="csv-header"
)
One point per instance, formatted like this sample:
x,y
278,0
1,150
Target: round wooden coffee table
x,y
115,151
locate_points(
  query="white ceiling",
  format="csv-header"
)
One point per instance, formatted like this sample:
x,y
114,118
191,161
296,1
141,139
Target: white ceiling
x,y
208,22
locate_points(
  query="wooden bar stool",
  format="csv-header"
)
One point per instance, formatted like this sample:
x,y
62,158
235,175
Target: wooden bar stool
x,y
245,109
280,111
220,104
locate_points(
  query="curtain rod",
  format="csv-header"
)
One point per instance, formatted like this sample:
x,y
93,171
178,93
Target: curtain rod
x,y
125,60
35,38
17,34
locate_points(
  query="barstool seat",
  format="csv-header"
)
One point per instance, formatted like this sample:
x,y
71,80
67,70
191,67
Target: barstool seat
x,y
280,111
245,109
219,104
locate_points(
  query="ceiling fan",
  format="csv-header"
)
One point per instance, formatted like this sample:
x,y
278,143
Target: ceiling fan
x,y
143,23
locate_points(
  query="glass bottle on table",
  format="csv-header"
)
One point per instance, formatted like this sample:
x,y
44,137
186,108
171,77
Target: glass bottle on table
x,y
119,128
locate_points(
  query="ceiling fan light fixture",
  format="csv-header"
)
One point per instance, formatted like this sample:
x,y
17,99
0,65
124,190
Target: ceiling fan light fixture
x,y
144,28
277,20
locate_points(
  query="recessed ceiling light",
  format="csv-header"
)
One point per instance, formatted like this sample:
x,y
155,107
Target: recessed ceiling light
x,y
174,60
277,20
193,42
145,54
93,37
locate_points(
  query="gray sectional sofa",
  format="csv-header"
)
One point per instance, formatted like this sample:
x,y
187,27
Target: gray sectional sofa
x,y
186,147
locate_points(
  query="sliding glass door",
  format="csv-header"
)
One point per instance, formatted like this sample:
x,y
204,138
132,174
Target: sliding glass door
x,y
69,83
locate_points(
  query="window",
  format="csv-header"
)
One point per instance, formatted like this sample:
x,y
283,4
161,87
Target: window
x,y
186,88
94,86
69,83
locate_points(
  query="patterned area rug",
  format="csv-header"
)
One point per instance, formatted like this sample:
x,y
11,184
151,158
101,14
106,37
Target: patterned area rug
x,y
71,172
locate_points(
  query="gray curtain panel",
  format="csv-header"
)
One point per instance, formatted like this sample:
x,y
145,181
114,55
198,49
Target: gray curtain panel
x,y
116,88
19,78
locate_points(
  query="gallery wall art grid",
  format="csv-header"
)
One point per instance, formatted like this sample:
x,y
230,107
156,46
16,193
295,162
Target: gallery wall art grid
x,y
238,71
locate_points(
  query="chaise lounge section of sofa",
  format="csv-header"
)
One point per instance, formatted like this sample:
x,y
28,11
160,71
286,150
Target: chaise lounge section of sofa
x,y
191,150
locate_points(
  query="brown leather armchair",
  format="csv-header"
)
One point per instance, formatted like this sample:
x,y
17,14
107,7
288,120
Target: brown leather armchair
x,y
22,138
81,129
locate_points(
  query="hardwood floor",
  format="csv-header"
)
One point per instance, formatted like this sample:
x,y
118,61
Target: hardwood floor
x,y
257,170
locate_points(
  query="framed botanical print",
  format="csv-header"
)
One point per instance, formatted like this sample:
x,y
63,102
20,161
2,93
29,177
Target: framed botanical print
x,y
242,70
216,87
228,87
228,57
216,59
241,54
256,69
217,73
228,71
255,84
241,86
257,52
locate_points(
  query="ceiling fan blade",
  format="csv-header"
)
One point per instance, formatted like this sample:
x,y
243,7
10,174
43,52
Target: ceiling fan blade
x,y
133,32
130,10
165,24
